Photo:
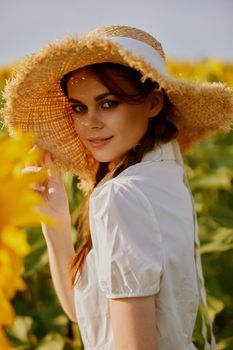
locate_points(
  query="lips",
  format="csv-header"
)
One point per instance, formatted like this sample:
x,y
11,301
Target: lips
x,y
99,139
99,142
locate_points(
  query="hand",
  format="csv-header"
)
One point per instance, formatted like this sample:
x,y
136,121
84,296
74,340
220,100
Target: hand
x,y
53,191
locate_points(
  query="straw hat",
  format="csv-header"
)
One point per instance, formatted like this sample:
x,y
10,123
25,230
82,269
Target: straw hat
x,y
36,103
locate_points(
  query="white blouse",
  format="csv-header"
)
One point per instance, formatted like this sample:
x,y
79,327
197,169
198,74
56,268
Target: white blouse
x,y
142,230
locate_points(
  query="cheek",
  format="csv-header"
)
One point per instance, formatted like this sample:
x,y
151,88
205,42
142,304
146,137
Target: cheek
x,y
134,119
123,119
78,128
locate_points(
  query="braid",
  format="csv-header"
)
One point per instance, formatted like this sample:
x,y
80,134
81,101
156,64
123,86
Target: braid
x,y
135,156
101,172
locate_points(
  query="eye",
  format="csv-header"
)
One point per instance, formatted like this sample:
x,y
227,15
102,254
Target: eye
x,y
79,108
108,104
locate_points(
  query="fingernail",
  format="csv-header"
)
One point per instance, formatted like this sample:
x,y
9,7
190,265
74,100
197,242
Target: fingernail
x,y
34,147
31,169
51,190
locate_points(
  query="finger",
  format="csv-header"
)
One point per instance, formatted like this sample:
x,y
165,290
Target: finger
x,y
38,161
48,159
41,187
51,190
38,188
31,169
48,163
49,186
34,147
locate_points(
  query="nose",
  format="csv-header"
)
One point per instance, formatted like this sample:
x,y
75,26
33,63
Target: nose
x,y
92,120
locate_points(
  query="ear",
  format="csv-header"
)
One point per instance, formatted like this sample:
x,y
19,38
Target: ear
x,y
156,101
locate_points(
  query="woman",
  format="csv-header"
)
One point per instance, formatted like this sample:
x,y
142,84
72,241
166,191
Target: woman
x,y
105,108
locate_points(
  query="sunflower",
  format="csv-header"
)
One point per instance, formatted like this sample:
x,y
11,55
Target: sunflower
x,y
18,203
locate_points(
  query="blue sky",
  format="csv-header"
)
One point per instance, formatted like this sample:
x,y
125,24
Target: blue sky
x,y
190,29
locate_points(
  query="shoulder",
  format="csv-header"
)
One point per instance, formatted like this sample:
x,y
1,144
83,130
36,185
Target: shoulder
x,y
119,195
140,178
158,168
143,192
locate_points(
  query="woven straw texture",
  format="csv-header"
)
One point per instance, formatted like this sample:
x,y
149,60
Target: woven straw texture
x,y
36,103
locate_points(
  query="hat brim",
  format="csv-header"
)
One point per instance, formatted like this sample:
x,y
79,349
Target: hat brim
x,y
36,103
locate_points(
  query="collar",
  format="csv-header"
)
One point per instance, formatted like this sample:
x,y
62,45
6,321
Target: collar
x,y
161,152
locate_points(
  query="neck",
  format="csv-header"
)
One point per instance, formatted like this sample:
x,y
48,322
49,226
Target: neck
x,y
115,163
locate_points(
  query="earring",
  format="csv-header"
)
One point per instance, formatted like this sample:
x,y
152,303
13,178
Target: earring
x,y
138,144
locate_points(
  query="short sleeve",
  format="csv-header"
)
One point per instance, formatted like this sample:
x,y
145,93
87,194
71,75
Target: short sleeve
x,y
126,240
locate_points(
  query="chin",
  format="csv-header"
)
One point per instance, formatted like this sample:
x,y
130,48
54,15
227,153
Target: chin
x,y
101,159
105,160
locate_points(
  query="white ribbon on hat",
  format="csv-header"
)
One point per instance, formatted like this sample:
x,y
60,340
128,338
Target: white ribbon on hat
x,y
141,49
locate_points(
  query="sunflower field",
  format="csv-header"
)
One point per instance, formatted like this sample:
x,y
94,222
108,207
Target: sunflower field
x,y
31,317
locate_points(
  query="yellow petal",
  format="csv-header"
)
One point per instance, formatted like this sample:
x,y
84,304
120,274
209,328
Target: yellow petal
x,y
7,313
16,240
4,343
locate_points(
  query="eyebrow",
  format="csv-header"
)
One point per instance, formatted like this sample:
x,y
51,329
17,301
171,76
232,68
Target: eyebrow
x,y
97,98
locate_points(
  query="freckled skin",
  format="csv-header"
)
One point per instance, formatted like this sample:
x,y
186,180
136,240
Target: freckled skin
x,y
127,123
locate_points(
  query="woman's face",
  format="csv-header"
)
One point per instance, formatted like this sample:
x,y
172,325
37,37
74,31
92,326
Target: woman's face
x,y
108,126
